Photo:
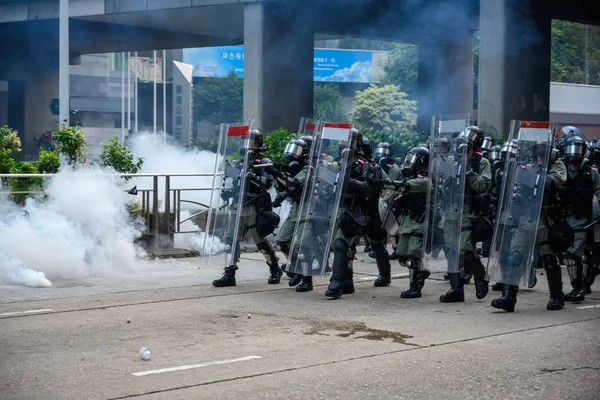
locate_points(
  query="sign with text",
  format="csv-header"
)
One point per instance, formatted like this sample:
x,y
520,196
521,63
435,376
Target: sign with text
x,y
330,65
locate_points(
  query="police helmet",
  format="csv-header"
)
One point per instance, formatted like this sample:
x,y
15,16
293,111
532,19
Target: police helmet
x,y
471,136
254,141
367,148
495,153
487,144
417,159
296,149
383,150
570,131
575,149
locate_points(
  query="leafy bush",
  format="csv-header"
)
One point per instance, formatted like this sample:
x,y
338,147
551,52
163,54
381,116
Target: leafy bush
x,y
383,109
25,184
118,156
10,146
70,143
48,162
276,142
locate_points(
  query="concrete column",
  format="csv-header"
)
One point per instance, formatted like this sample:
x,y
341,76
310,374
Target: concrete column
x,y
41,87
514,64
278,67
445,77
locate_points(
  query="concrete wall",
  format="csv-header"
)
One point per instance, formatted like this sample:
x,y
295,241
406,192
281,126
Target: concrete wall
x,y
3,103
95,136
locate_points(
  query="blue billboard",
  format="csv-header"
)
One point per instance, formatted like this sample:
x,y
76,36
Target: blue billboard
x,y
329,65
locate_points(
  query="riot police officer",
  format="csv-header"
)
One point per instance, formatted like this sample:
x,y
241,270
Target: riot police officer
x,y
514,258
577,195
254,200
412,207
290,181
479,181
358,214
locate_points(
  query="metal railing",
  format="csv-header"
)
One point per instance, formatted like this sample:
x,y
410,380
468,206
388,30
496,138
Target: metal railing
x,y
150,198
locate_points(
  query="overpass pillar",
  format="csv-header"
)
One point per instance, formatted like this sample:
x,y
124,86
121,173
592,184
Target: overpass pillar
x,y
514,64
445,82
278,67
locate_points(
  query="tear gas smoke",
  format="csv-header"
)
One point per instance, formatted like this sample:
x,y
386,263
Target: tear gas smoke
x,y
80,228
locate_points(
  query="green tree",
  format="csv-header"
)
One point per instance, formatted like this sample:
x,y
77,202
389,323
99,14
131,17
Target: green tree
x,y
384,109
219,100
118,156
401,67
568,53
328,104
70,142
276,142
48,162
10,146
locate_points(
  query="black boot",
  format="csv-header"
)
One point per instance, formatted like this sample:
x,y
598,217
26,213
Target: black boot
x,y
473,264
554,276
272,261
590,279
284,269
508,300
338,274
577,295
383,265
295,279
306,285
498,287
348,287
417,281
456,293
228,278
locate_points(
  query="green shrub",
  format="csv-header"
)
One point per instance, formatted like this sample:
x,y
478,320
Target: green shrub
x,y
10,146
48,162
276,142
25,184
118,156
70,142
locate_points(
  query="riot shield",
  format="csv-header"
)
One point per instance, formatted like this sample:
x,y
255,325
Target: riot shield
x,y
514,242
224,224
446,195
310,127
320,201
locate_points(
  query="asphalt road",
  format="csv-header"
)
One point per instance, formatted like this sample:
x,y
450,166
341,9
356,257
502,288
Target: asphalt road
x,y
259,341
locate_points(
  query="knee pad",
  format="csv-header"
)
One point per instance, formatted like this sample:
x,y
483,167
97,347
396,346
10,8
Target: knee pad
x,y
412,263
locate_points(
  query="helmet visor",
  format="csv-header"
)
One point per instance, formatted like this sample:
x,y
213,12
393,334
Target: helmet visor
x,y
382,152
292,149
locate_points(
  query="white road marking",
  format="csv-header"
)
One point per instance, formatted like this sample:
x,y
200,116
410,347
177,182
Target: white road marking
x,y
586,307
184,367
372,278
9,314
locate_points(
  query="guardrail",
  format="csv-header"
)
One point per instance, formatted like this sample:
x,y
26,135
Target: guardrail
x,y
150,198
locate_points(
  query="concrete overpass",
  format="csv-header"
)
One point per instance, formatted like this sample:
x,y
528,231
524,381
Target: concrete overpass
x,y
278,36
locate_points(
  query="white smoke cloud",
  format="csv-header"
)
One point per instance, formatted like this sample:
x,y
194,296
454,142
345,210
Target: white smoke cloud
x,y
80,228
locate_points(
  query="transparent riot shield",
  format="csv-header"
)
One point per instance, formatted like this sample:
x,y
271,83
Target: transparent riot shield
x,y
224,223
514,242
310,127
446,195
320,201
